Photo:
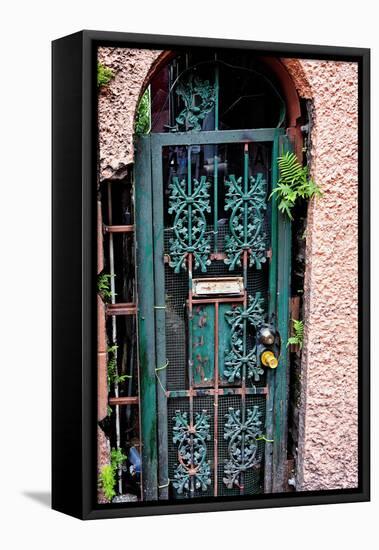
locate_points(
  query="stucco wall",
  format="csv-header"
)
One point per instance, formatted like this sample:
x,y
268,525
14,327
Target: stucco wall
x,y
328,416
328,437
117,105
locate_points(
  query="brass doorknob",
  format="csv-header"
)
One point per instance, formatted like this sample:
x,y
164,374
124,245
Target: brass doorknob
x,y
269,360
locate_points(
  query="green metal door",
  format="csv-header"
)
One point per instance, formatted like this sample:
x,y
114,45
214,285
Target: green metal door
x,y
213,273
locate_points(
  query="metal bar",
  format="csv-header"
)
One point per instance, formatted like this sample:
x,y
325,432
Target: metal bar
x,y
281,374
245,264
146,320
217,300
160,321
245,190
203,392
118,228
215,465
215,201
209,137
243,377
190,316
190,364
114,334
128,308
270,375
123,400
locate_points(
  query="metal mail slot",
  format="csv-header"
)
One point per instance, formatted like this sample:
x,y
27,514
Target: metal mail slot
x,y
218,285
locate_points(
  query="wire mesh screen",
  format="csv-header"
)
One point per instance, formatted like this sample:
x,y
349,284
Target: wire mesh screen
x,y
253,477
178,164
182,404
176,289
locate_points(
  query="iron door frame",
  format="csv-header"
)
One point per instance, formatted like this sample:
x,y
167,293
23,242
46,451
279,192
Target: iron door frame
x,y
151,306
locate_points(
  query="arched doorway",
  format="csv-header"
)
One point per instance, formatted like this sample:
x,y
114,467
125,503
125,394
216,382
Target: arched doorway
x,y
213,277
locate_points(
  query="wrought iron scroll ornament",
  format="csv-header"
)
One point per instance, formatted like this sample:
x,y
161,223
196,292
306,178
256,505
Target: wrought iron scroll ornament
x,y
239,355
246,220
198,97
189,206
193,471
242,443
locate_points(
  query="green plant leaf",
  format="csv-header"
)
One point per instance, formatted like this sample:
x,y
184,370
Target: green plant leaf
x,y
104,75
293,184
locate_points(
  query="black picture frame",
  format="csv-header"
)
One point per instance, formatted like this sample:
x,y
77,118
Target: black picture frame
x,y
74,284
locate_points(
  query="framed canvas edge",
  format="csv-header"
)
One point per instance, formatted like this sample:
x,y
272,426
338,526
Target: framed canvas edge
x,y
89,509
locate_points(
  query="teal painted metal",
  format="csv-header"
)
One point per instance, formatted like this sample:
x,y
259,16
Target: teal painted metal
x,y
224,339
198,97
239,357
202,344
160,325
246,198
224,332
209,137
202,392
215,201
282,372
146,326
273,277
193,472
189,225
242,444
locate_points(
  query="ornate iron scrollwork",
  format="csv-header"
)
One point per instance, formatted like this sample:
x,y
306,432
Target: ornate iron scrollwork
x,y
239,355
189,206
246,220
193,471
242,447
198,97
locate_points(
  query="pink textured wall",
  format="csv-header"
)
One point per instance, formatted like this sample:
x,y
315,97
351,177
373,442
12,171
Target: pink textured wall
x,y
117,105
328,420
328,416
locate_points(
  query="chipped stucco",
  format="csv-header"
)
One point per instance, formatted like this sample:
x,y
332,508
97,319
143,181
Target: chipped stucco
x,y
117,105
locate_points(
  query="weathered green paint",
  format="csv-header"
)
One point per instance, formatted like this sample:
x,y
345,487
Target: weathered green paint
x,y
188,204
198,97
210,137
282,372
273,277
241,361
203,344
241,434
152,334
160,323
201,392
224,338
246,199
192,451
146,328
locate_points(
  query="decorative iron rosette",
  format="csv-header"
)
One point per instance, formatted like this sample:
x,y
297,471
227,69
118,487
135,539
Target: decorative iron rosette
x,y
193,471
242,443
189,223
199,98
246,221
239,355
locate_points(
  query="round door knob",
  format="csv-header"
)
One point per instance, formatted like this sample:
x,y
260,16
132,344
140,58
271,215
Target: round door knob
x,y
269,360
266,336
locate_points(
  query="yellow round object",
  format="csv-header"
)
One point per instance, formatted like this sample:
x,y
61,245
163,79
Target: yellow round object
x,y
269,360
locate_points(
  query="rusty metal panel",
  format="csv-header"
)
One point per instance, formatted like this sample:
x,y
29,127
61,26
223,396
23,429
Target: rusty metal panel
x,y
102,387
